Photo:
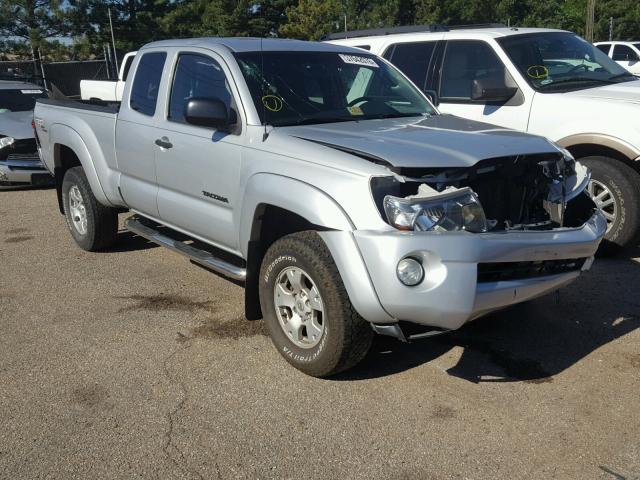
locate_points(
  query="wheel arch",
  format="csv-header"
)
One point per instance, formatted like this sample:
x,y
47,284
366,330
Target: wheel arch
x,y
275,206
586,145
69,150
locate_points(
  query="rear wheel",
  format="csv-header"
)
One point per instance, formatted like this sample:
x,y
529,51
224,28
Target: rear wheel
x,y
92,225
615,189
307,310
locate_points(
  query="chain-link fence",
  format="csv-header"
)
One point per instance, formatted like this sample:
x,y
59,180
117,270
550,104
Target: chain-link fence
x,y
65,76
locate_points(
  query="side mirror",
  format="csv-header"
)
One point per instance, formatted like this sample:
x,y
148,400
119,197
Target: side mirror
x,y
433,96
491,90
207,112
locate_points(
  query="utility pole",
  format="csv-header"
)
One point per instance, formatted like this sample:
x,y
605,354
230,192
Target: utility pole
x,y
113,40
610,28
591,11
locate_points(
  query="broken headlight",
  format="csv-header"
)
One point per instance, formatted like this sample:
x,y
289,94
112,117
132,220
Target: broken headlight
x,y
448,212
6,141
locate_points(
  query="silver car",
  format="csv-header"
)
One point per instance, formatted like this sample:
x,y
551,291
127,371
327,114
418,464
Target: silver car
x,y
323,180
19,160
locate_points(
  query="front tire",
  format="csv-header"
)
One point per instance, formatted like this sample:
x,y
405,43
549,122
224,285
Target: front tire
x,y
307,310
93,226
615,188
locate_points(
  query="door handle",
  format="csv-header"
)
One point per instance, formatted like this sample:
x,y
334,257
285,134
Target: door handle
x,y
164,142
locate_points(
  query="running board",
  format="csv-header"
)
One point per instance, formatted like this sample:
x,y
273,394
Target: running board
x,y
201,257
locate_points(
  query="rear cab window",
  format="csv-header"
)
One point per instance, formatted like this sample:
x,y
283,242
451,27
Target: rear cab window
x,y
146,83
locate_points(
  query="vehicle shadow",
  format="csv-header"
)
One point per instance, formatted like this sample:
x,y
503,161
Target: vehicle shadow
x,y
530,342
129,242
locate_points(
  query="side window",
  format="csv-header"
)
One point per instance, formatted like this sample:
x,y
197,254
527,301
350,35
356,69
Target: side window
x,y
624,53
126,67
466,61
196,76
144,93
604,47
412,59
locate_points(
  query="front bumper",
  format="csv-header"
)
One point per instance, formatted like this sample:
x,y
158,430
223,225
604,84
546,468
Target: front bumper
x,y
24,171
450,294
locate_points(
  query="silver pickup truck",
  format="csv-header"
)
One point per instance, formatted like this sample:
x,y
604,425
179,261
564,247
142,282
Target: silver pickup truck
x,y
323,180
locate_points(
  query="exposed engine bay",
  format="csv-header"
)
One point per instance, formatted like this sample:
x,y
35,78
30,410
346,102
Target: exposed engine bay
x,y
533,192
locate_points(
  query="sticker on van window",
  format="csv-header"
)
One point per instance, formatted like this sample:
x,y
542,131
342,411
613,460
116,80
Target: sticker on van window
x,y
538,71
28,92
272,103
355,110
357,60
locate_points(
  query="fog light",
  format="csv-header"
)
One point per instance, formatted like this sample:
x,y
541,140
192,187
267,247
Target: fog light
x,y
410,271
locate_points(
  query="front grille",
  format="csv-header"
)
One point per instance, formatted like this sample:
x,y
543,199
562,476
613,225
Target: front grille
x,y
500,271
25,146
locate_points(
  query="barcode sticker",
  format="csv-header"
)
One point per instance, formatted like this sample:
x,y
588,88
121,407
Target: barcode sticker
x,y
357,60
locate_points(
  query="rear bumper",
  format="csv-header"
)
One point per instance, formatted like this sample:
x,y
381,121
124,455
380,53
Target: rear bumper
x,y
24,171
450,294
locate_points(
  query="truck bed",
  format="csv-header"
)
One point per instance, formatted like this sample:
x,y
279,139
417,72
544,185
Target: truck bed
x,y
92,105
88,129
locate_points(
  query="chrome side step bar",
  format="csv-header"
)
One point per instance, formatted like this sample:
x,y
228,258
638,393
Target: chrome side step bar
x,y
202,257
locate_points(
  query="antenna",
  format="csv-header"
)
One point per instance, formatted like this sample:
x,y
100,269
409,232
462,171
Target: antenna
x,y
265,135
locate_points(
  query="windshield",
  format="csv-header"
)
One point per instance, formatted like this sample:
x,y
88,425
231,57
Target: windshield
x,y
300,88
561,61
19,100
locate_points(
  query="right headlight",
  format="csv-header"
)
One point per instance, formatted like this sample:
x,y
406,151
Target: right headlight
x,y
6,141
448,212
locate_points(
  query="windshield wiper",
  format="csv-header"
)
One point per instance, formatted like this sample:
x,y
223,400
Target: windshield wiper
x,y
394,115
575,79
318,120
622,75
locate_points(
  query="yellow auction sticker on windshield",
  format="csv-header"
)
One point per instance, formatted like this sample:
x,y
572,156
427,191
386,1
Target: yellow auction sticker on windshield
x,y
272,103
358,60
538,71
355,110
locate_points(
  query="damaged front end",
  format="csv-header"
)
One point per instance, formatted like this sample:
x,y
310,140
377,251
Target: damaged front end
x,y
530,192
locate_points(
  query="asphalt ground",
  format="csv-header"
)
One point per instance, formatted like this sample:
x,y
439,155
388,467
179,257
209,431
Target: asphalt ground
x,y
133,363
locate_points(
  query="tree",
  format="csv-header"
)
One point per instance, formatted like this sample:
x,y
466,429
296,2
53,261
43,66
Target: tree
x,y
33,20
135,22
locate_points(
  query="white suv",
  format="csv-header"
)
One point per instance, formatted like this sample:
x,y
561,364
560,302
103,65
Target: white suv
x,y
627,54
547,82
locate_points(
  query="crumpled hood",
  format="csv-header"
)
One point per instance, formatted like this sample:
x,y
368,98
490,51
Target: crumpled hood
x,y
16,124
625,91
436,141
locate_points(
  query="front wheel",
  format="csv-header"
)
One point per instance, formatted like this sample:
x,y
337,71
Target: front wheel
x,y
307,310
615,189
92,225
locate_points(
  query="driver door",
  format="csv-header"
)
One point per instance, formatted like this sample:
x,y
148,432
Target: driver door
x,y
467,60
198,168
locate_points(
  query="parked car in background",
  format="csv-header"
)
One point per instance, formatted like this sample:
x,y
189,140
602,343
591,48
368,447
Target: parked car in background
x,y
19,160
627,54
107,90
547,82
322,179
